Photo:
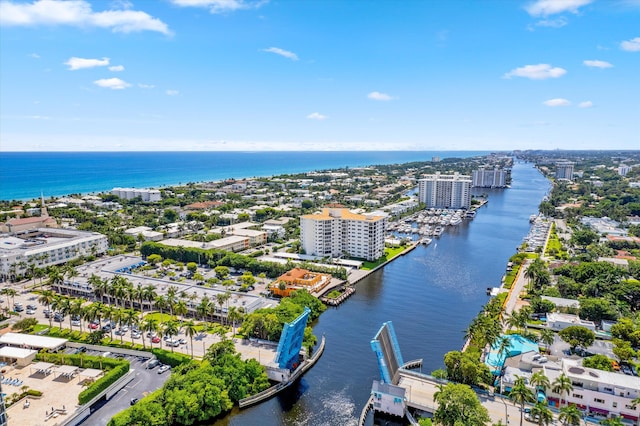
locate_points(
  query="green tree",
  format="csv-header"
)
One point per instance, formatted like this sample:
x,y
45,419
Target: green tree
x,y
570,416
577,335
541,413
458,404
222,272
520,394
192,267
598,361
190,330
561,385
154,259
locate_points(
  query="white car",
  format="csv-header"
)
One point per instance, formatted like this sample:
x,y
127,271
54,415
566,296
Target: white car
x,y
163,368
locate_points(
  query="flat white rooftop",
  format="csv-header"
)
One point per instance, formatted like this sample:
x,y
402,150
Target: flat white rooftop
x,y
33,341
17,353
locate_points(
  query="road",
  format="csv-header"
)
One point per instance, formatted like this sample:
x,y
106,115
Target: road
x,y
145,382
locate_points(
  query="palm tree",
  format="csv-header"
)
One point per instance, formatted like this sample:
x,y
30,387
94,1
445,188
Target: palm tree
x,y
149,294
547,337
190,330
12,293
181,309
570,416
108,312
170,329
542,414
540,381
561,385
203,308
149,325
503,345
55,276
99,286
520,394
118,317
76,309
46,298
130,317
160,303
235,314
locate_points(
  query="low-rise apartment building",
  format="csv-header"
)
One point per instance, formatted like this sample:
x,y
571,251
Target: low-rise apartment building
x,y
44,247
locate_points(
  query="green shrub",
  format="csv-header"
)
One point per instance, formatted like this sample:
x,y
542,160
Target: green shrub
x,y
171,358
103,383
33,392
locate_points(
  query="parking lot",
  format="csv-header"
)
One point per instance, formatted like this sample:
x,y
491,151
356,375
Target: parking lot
x,y
146,381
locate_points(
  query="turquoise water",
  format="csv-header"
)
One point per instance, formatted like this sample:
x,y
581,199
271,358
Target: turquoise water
x,y
24,175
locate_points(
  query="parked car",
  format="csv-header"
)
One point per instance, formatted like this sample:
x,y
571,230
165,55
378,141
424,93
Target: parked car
x,y
135,334
615,365
94,325
118,332
34,307
31,311
106,327
182,341
155,339
47,313
153,364
173,343
163,368
133,401
18,307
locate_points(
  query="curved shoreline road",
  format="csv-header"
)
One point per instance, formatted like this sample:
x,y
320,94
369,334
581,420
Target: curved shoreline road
x,y
516,288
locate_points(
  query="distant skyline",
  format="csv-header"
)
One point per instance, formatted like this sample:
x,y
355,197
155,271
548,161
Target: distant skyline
x,y
223,75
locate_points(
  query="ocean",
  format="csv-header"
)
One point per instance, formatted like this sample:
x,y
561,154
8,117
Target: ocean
x,y
24,175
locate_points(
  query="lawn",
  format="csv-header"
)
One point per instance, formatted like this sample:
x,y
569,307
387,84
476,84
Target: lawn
x,y
160,317
389,253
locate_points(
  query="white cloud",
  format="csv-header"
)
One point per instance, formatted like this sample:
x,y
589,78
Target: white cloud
x,y
145,86
75,63
220,6
632,45
536,72
77,13
378,96
317,116
34,56
553,7
552,23
597,64
557,102
116,68
112,83
171,92
585,104
282,52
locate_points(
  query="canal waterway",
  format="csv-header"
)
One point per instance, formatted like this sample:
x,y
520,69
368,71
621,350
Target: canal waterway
x,y
431,294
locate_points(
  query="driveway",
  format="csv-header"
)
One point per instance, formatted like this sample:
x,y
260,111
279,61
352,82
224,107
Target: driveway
x,y
145,382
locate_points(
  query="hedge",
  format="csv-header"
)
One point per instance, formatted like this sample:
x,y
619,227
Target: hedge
x,y
171,358
84,361
103,383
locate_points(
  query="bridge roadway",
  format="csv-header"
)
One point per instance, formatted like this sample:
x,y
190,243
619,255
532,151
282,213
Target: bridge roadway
x,y
420,390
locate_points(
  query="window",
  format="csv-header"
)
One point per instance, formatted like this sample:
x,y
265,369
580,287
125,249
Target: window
x,y
601,401
615,405
577,395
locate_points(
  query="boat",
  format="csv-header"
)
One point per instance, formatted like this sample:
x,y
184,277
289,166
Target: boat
x,y
532,218
455,221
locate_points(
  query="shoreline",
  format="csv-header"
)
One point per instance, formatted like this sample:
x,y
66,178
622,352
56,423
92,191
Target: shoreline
x,y
235,165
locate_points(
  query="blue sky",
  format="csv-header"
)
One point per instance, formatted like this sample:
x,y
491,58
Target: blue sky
x,y
319,75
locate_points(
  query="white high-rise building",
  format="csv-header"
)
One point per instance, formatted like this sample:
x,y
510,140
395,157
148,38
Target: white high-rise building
x,y
489,178
564,170
148,195
338,231
445,191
